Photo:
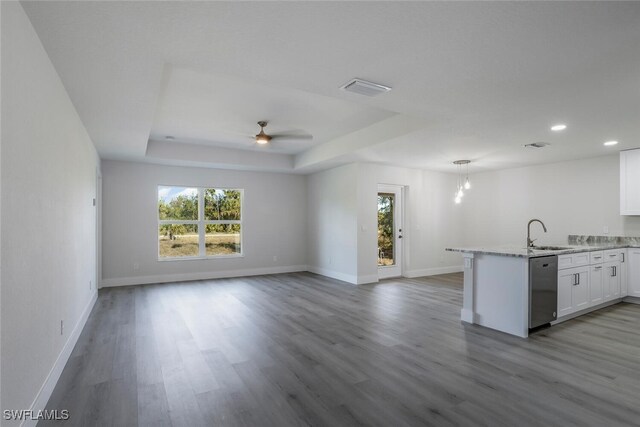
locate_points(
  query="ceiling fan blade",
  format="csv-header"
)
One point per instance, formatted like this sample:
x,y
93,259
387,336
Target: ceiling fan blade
x,y
292,137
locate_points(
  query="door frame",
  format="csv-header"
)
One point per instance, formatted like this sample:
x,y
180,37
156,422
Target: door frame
x,y
396,270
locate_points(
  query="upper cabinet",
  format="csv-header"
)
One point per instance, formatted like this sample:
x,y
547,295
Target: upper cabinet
x,y
630,182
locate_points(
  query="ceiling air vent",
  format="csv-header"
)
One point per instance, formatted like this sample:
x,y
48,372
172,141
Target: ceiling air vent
x,y
536,145
363,87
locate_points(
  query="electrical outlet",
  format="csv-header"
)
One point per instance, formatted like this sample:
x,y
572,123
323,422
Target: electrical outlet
x,y
136,266
605,229
62,327
275,258
330,260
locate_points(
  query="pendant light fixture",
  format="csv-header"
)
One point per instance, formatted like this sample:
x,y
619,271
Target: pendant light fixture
x,y
463,183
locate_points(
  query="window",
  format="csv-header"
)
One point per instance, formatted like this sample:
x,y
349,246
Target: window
x,y
199,222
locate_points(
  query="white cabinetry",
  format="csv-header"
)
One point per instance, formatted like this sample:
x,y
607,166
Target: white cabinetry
x,y
573,260
588,279
573,290
624,273
611,284
630,182
596,276
633,272
612,274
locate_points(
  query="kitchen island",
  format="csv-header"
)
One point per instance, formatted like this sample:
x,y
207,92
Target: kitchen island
x,y
496,283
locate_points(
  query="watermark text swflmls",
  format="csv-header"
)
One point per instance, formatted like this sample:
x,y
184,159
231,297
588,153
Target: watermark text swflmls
x,y
30,414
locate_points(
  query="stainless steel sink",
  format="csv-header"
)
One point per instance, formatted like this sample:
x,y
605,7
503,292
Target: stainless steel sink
x,y
549,248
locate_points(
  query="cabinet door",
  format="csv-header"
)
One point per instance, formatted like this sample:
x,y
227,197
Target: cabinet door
x,y
606,282
580,290
616,282
611,281
596,274
630,182
624,277
566,281
633,272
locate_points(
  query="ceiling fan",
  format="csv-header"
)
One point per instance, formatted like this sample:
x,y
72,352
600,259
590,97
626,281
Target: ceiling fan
x,y
263,138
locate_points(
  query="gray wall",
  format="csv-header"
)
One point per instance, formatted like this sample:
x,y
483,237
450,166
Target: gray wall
x,y
333,223
576,197
342,205
274,223
48,218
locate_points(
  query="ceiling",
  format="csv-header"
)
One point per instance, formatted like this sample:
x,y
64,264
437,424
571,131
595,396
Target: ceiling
x,y
473,80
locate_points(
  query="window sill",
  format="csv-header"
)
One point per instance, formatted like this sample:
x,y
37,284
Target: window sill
x,y
200,258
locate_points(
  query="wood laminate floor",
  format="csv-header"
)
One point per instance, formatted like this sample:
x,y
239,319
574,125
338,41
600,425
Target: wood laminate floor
x,y
301,349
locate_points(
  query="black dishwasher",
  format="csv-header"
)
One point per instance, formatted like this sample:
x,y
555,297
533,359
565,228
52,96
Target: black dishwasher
x,y
543,290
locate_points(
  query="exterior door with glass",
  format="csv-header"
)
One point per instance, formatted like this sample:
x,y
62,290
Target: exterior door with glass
x,y
389,231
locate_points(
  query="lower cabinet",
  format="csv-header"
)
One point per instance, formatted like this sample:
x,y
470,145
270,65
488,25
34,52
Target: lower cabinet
x,y
609,275
624,273
611,285
596,280
633,272
573,290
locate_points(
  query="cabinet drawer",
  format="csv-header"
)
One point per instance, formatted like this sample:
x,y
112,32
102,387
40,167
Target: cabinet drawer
x,y
573,260
613,255
596,257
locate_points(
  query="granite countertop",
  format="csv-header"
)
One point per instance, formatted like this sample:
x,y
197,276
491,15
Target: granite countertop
x,y
522,252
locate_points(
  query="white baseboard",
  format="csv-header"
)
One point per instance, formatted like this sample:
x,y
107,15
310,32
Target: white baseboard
x,y
586,310
466,315
372,278
334,274
40,402
433,271
349,278
184,277
632,300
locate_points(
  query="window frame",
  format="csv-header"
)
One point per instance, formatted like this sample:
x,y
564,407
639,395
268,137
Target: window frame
x,y
201,223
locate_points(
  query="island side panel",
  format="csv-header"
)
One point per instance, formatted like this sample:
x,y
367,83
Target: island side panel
x,y
501,293
467,312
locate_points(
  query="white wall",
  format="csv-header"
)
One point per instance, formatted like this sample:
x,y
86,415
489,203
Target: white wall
x,y
343,221
576,197
431,220
274,223
333,223
48,218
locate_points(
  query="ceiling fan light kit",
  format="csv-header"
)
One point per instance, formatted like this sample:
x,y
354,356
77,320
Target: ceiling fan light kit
x,y
262,138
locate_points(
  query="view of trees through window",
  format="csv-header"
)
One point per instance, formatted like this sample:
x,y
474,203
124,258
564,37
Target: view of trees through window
x,y
385,229
184,211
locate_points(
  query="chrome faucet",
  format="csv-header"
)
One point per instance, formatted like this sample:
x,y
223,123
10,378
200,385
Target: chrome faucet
x,y
529,241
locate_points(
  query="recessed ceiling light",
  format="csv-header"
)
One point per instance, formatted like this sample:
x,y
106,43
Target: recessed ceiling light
x,y
558,127
609,143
